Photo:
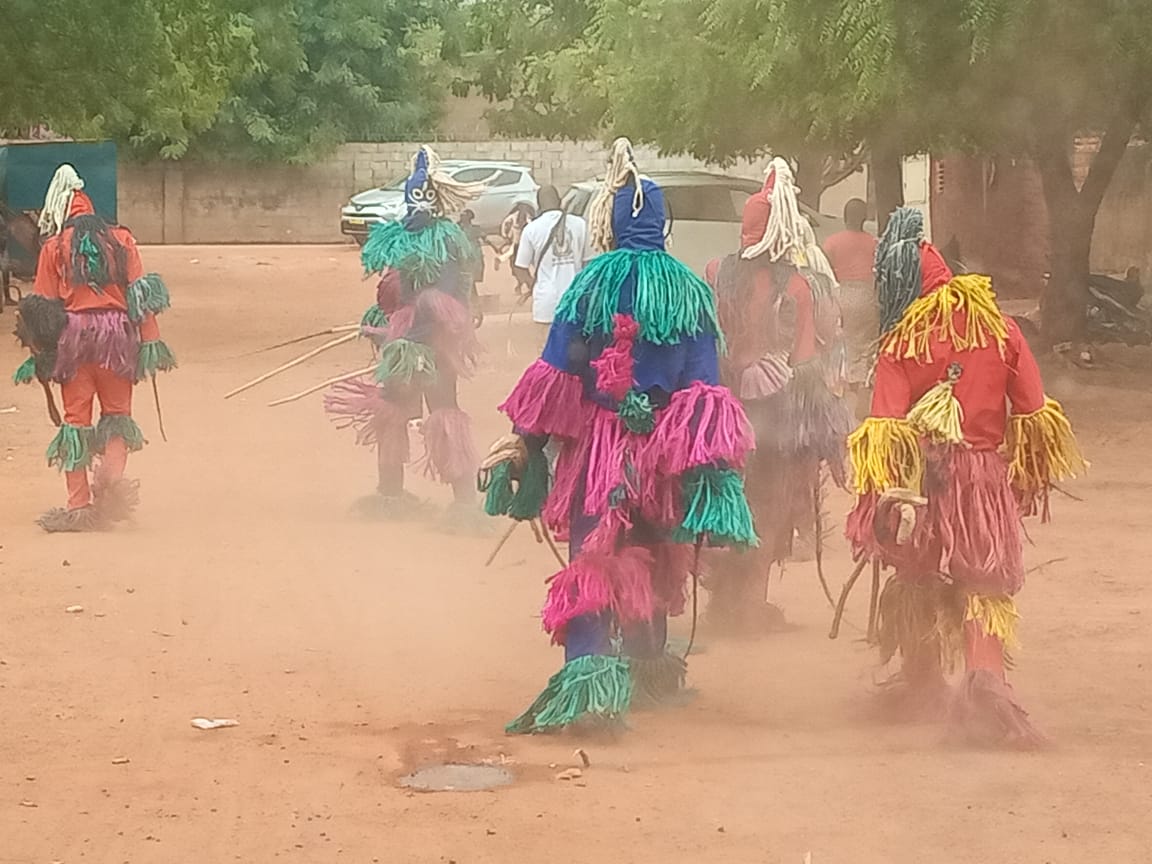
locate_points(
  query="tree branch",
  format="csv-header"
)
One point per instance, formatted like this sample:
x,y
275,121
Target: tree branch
x,y
836,170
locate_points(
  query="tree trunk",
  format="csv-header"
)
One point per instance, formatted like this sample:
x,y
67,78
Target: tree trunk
x,y
1065,301
887,170
1071,222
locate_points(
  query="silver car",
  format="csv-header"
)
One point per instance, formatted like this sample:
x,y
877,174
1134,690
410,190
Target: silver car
x,y
508,185
704,212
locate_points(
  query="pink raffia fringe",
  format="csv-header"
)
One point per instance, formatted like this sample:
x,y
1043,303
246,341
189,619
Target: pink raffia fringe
x,y
106,338
379,422
571,466
701,425
450,455
605,460
621,583
546,401
766,377
614,365
970,529
452,332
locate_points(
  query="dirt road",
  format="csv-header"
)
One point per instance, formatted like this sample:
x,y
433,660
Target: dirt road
x,y
351,652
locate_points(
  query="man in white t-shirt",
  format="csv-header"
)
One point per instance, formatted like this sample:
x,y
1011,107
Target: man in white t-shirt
x,y
553,249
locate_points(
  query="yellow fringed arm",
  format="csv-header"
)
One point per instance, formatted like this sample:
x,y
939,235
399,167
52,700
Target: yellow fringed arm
x,y
934,314
997,616
885,454
1042,450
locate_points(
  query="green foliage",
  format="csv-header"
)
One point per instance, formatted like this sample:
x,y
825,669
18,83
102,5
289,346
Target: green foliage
x,y
150,72
327,72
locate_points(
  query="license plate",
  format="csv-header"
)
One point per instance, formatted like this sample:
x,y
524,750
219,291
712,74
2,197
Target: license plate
x,y
356,222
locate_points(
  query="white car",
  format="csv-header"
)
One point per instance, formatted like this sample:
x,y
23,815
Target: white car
x,y
704,212
507,185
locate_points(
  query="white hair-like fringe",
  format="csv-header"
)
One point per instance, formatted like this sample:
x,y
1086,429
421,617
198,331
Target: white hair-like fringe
x,y
815,259
621,168
452,195
783,235
58,200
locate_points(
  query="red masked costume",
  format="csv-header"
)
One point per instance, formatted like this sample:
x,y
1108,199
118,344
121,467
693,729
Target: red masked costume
x,y
91,325
780,318
961,443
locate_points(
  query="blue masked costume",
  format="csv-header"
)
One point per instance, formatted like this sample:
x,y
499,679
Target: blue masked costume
x,y
649,454
422,326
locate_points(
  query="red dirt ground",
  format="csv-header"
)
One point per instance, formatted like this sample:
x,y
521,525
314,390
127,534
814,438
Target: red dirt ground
x,y
352,652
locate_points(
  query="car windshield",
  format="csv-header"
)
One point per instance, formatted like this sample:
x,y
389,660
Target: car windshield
x,y
396,185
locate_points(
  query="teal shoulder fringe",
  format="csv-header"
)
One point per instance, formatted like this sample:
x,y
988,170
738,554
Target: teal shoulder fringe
x,y
118,426
26,372
670,302
521,499
421,254
155,356
596,685
403,359
72,448
715,509
147,294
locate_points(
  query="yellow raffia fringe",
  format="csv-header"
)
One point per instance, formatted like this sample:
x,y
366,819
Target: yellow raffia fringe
x,y
885,453
1042,449
934,316
938,414
997,616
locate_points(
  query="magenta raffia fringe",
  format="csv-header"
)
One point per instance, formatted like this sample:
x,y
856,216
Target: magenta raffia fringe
x,y
546,401
106,338
702,425
621,583
378,422
571,465
450,455
614,365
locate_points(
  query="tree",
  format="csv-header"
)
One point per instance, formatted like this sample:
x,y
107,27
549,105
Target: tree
x,y
328,72
725,78
149,72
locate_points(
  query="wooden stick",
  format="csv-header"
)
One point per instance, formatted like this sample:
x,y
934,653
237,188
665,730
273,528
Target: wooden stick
x,y
874,602
347,376
552,544
53,411
817,494
159,410
340,328
839,614
500,543
295,362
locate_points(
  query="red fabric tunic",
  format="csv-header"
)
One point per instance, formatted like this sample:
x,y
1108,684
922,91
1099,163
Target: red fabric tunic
x,y
991,377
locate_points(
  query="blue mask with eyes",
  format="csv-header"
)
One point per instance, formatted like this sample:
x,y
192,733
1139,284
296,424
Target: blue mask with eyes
x,y
420,196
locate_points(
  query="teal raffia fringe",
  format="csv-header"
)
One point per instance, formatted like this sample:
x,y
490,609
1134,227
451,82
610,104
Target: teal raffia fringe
x,y
636,413
402,359
596,685
499,491
154,357
374,317
147,294
715,509
118,426
522,499
72,447
421,254
25,372
670,302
